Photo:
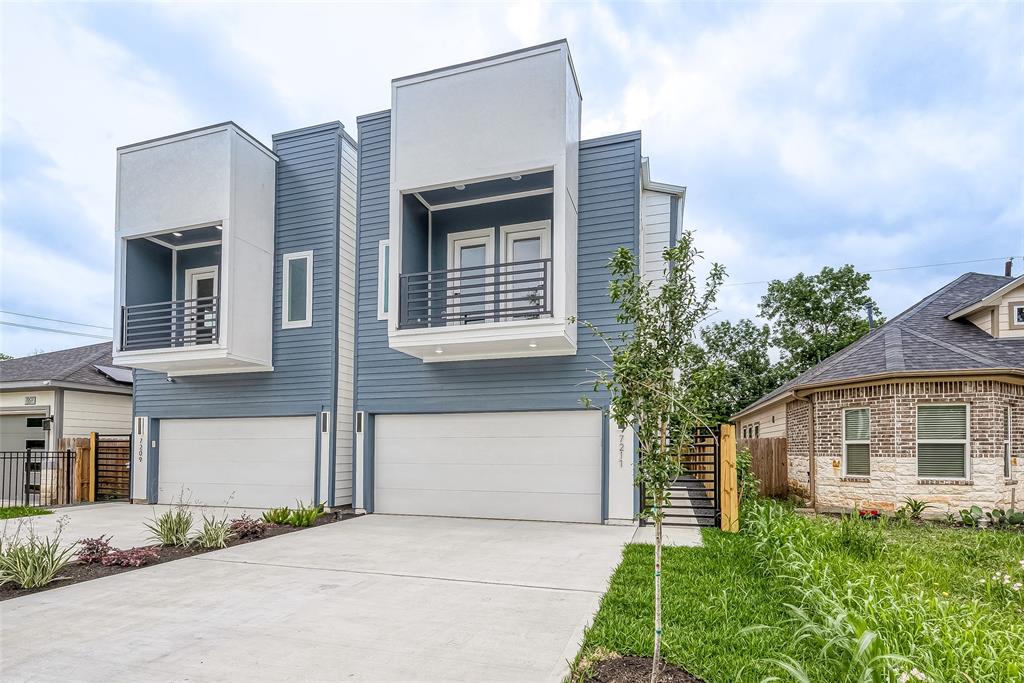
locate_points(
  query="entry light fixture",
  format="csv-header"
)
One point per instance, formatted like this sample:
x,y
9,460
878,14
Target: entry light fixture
x,y
460,187
516,177
177,234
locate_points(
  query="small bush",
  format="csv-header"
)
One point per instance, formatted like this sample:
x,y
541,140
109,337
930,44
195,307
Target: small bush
x,y
133,557
215,533
914,508
277,516
94,549
303,515
248,527
35,561
860,538
972,517
173,527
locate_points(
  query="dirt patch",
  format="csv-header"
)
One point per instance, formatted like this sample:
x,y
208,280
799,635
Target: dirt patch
x,y
77,573
637,670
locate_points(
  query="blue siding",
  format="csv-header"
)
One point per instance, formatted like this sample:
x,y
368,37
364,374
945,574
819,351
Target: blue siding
x,y
388,381
303,381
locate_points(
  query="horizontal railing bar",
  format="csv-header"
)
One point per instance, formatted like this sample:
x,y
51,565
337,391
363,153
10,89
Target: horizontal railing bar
x,y
489,266
173,302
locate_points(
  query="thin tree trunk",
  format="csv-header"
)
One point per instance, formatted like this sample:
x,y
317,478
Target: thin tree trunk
x,y
659,501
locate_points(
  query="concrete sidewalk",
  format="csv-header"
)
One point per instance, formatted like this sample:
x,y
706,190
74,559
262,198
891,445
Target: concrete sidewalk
x,y
384,598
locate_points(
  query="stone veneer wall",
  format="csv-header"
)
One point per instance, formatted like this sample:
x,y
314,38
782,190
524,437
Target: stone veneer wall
x,y
894,448
798,446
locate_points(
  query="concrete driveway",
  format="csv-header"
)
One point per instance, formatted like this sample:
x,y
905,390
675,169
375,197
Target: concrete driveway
x,y
385,598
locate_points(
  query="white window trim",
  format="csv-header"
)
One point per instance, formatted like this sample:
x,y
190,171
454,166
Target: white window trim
x,y
856,442
510,233
966,442
307,320
383,273
192,273
469,238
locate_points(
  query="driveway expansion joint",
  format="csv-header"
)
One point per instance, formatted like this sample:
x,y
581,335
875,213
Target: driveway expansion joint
x,y
403,576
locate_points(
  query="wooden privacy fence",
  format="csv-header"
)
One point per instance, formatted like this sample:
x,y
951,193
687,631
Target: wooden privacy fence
x,y
770,464
101,467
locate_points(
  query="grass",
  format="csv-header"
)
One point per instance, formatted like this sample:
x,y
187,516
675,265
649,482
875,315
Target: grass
x,y
826,600
22,511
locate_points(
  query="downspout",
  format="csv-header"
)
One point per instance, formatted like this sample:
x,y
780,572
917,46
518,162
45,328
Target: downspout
x,y
812,471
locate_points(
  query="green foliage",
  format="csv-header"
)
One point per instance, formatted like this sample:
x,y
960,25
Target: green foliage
x,y
22,511
814,316
747,372
304,515
972,517
747,482
173,527
5,356
915,508
215,533
277,515
33,562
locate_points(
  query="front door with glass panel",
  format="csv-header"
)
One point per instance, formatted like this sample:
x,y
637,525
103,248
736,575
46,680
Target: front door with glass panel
x,y
525,250
200,305
470,296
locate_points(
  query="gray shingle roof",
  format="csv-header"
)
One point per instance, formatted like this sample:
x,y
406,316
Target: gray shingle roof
x,y
921,338
77,365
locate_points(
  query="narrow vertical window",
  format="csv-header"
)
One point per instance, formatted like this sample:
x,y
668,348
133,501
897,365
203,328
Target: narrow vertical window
x,y
857,442
297,290
383,278
942,441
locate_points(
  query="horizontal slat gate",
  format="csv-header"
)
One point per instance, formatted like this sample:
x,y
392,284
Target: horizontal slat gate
x,y
693,496
112,466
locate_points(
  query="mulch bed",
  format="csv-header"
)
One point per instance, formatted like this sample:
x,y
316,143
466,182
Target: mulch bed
x,y
637,670
77,573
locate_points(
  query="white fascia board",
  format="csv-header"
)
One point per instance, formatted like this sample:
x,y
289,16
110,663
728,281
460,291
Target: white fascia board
x,y
77,386
649,184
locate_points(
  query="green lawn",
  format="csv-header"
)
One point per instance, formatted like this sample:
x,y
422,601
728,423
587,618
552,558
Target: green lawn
x,y
22,511
923,592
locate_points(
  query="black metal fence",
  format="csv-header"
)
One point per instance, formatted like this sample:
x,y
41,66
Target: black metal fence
x,y
170,324
36,478
461,296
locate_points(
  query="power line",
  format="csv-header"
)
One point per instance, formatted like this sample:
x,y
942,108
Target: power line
x,y
889,270
50,329
56,320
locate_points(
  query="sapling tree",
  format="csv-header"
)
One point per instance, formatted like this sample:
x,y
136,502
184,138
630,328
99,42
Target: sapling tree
x,y
658,377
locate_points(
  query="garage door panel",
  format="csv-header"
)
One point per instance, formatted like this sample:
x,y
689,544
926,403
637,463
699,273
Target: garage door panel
x,y
555,478
558,423
529,465
520,449
245,462
497,504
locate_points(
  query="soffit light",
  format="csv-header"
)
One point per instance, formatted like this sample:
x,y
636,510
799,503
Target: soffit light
x,y
516,177
177,234
533,345
438,350
460,187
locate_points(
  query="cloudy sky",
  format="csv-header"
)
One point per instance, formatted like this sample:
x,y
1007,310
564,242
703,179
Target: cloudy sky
x,y
881,135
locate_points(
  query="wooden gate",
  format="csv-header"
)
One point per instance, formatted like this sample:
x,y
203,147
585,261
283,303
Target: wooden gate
x,y
770,463
112,466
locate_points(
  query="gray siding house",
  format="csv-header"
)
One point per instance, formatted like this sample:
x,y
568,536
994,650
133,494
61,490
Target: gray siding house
x,y
398,334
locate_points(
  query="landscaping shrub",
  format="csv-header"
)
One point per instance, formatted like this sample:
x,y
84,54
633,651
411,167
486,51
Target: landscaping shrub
x,y
215,533
173,527
748,486
914,508
248,527
133,557
94,549
277,516
304,515
33,562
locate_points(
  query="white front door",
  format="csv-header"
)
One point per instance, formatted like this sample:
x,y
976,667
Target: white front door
x,y
200,308
523,248
470,282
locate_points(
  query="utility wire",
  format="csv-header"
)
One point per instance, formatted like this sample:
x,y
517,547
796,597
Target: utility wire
x,y
50,329
889,270
56,320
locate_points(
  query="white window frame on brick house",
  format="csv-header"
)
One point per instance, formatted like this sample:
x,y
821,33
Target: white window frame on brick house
x,y
847,442
1007,427
965,442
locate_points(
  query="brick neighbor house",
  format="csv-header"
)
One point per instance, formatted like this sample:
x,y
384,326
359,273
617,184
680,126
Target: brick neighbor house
x,y
929,405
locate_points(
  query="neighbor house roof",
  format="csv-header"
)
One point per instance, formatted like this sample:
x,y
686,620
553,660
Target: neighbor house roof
x,y
91,366
920,340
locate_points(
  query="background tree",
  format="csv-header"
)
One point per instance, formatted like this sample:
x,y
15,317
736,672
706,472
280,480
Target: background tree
x,y
813,316
4,356
740,350
658,376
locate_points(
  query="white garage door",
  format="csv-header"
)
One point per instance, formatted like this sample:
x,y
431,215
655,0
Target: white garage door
x,y
21,432
251,462
538,465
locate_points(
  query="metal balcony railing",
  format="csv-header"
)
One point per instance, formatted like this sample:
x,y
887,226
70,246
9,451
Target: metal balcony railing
x,y
476,294
170,324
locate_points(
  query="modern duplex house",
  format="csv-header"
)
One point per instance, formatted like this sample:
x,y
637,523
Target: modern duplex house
x,y
442,368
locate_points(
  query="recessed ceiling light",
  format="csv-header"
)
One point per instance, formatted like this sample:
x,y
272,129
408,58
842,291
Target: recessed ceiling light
x,y
460,187
219,227
533,345
177,234
438,350
516,177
